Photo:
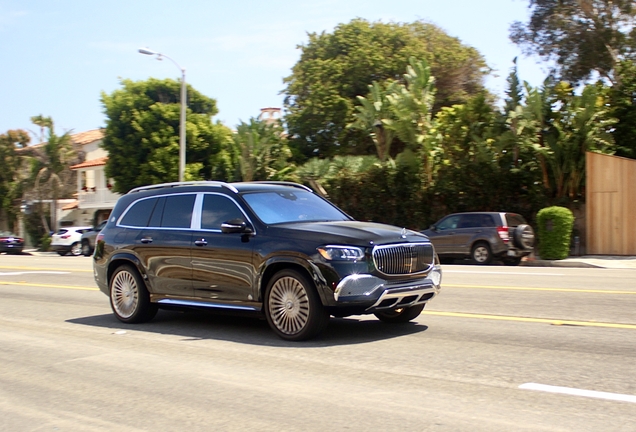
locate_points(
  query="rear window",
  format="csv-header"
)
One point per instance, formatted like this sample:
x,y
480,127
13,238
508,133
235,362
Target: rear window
x,y
514,219
62,231
139,214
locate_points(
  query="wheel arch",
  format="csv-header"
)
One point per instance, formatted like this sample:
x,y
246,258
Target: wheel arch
x,y
274,265
120,259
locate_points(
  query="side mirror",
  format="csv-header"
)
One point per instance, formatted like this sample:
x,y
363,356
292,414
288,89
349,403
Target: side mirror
x,y
236,226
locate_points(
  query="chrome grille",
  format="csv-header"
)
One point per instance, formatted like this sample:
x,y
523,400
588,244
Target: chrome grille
x,y
405,258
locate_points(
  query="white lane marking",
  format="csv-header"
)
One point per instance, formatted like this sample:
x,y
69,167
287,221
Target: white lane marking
x,y
504,273
578,392
31,272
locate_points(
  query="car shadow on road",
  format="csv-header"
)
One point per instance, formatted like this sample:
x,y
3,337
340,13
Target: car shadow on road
x,y
251,329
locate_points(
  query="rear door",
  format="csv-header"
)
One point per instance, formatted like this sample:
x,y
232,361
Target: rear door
x,y
161,239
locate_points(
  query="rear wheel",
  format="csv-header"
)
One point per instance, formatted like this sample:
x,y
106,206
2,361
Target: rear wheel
x,y
86,249
292,306
400,315
129,297
481,254
76,249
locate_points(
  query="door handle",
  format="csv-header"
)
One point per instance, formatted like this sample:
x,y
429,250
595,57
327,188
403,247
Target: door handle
x,y
201,242
146,240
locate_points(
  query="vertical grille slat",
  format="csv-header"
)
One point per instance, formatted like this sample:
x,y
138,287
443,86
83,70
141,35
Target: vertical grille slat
x,y
405,258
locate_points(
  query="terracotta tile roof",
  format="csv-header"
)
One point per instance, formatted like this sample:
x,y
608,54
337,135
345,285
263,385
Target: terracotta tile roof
x,y
91,163
81,138
88,137
71,206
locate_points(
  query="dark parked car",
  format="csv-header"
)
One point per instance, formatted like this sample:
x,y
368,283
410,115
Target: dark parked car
x,y
482,236
273,248
11,243
88,239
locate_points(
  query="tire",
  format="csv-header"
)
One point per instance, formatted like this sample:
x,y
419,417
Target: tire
x,y
512,261
86,249
523,237
129,297
292,306
481,253
76,249
401,315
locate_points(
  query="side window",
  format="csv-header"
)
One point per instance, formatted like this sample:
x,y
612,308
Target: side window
x,y
139,214
177,211
487,221
155,219
471,221
449,223
216,210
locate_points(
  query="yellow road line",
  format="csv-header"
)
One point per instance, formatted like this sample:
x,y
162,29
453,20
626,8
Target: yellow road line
x,y
532,320
44,269
539,289
50,286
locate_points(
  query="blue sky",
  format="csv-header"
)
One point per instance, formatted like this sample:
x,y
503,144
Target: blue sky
x,y
58,56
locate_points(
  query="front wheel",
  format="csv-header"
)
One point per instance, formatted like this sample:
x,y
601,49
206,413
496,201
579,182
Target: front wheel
x,y
292,306
129,297
401,315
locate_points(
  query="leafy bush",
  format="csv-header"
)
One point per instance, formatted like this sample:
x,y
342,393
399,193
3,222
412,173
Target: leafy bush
x,y
45,242
555,230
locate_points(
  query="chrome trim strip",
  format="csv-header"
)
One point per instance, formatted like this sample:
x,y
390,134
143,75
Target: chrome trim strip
x,y
174,302
399,293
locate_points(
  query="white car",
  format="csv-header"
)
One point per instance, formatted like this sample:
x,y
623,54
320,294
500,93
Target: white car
x,y
68,239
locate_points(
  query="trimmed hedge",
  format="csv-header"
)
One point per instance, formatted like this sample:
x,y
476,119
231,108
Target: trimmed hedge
x,y
555,231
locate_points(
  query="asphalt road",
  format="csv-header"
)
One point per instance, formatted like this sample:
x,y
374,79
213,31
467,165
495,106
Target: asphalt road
x,y
480,358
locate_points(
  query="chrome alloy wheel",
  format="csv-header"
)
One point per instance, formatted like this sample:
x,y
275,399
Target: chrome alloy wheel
x,y
289,305
481,254
124,294
76,249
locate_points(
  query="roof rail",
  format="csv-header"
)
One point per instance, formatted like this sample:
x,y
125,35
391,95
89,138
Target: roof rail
x,y
285,183
188,183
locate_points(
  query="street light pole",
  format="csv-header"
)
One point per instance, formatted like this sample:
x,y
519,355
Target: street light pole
x,y
184,103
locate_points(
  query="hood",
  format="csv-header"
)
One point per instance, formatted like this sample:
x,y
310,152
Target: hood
x,y
352,233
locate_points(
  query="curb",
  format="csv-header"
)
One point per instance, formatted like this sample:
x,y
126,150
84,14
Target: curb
x,y
558,263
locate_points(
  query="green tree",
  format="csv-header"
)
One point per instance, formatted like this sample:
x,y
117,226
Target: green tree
x,y
52,178
142,135
263,151
581,36
11,180
335,68
623,108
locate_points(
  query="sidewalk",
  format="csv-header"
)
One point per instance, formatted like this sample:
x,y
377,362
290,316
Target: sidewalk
x,y
587,261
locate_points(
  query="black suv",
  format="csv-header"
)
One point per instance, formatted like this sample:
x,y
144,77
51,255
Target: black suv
x,y
270,247
482,236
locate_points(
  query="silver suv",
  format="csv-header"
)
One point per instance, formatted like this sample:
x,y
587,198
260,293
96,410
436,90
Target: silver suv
x,y
482,236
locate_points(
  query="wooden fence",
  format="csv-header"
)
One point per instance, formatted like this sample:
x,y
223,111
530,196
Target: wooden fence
x,y
610,205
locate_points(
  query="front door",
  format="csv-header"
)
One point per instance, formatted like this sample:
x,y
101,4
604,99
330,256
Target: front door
x,y
222,264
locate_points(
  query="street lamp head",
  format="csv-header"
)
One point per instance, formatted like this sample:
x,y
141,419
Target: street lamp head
x,y
147,51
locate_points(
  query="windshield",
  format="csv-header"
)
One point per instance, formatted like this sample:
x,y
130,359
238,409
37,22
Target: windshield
x,y
286,206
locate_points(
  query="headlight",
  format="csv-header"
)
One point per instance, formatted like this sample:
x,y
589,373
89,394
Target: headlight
x,y
436,275
341,253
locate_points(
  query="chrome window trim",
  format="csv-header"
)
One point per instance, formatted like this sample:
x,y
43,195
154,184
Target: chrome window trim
x,y
198,211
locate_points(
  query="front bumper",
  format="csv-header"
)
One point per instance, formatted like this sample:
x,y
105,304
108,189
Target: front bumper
x,y
376,294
